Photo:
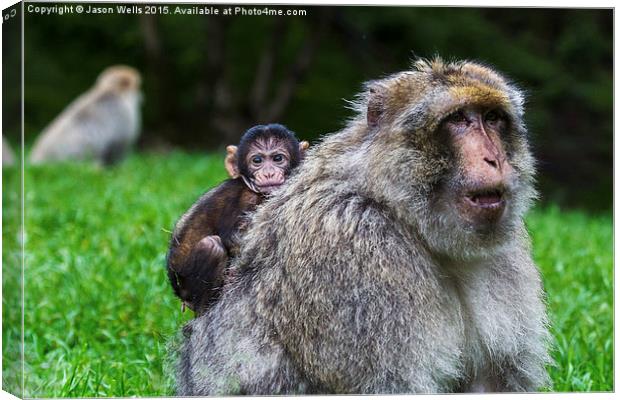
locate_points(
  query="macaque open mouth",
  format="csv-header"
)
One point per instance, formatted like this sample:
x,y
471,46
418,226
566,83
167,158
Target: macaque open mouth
x,y
486,198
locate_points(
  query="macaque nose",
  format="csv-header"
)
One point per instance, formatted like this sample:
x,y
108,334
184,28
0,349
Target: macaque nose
x,y
492,155
491,161
490,170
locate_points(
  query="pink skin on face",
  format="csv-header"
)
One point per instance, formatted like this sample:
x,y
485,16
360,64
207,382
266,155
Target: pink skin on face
x,y
477,135
268,161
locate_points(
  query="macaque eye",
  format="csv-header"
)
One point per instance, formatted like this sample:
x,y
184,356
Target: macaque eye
x,y
492,117
456,117
257,160
278,158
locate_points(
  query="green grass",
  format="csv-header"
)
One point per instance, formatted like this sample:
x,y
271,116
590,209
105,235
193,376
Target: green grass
x,y
575,253
100,316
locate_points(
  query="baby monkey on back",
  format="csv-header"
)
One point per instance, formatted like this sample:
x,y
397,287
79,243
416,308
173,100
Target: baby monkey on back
x,y
205,237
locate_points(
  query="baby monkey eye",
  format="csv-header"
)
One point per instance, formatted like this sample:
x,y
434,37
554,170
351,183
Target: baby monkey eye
x,y
278,158
257,160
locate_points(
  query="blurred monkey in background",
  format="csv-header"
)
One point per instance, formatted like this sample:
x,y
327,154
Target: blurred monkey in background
x,y
100,125
8,156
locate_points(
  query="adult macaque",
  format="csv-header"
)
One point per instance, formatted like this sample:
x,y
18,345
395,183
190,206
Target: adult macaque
x,y
206,235
101,125
396,259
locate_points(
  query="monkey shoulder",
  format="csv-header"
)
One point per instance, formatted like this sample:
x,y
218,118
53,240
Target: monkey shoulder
x,y
312,240
232,199
351,217
94,108
217,212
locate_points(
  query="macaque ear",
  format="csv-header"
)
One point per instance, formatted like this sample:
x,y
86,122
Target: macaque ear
x,y
231,162
303,146
375,106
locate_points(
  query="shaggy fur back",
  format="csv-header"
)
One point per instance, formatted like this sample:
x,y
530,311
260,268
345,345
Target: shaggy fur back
x,y
355,279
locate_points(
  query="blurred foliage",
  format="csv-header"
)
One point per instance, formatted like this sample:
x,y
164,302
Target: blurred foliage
x,y
200,73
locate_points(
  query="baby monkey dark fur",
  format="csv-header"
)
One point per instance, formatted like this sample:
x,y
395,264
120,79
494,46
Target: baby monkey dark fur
x,y
205,237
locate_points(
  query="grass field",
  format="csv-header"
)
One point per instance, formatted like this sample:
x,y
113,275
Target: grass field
x,y
100,316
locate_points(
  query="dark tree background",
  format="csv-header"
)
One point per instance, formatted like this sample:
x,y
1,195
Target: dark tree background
x,y
208,78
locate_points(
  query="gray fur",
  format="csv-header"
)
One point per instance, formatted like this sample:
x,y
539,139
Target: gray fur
x,y
8,155
359,277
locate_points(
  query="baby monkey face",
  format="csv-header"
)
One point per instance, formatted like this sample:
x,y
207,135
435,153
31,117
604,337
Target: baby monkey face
x,y
268,162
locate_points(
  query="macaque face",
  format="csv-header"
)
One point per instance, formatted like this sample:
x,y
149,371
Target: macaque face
x,y
485,174
268,161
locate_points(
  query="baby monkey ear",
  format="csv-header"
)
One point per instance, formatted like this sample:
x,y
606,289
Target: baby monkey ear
x,y
231,162
303,146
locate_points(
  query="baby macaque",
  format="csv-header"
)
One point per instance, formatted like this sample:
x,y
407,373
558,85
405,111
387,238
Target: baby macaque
x,y
206,236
